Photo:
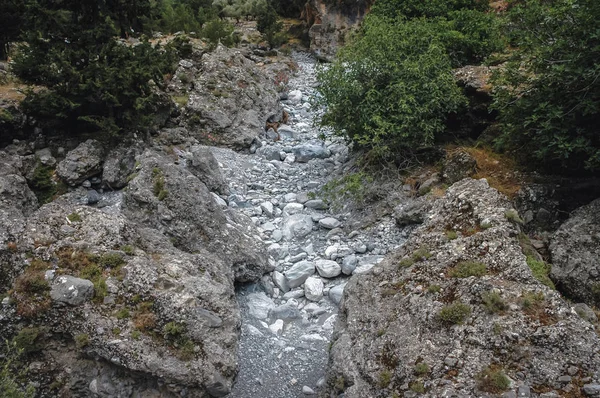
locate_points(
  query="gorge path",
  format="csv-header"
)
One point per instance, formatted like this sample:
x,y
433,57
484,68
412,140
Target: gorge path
x,y
288,318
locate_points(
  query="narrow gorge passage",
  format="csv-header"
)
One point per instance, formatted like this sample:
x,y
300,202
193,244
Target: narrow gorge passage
x,y
288,318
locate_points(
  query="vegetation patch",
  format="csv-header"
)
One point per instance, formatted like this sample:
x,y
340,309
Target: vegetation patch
x,y
455,313
82,340
493,303
451,235
159,184
434,289
385,378
513,216
74,217
421,369
466,269
29,340
421,254
540,271
493,379
31,290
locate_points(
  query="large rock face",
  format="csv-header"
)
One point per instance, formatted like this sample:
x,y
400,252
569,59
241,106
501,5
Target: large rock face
x,y
138,298
575,251
230,99
397,333
171,199
81,163
330,22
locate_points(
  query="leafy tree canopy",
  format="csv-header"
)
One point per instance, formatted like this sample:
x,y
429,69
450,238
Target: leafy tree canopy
x,y
93,82
548,96
391,88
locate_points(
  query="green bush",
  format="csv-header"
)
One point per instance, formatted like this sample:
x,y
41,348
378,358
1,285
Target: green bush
x,y
219,31
82,340
11,374
540,271
95,83
493,302
455,313
421,369
466,269
428,9
493,379
391,88
548,95
29,340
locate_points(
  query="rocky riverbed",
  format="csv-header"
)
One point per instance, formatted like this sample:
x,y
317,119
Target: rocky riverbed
x,y
288,318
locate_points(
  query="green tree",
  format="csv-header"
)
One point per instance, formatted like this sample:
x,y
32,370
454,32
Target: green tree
x,y
11,15
270,26
548,96
391,88
425,8
92,81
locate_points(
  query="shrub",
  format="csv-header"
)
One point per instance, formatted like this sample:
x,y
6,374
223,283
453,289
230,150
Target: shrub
x,y
434,289
451,235
128,249
145,321
406,262
532,300
173,330
418,387
492,379
31,293
548,95
123,313
29,340
513,216
270,26
74,217
429,9
421,254
385,378
82,340
455,313
421,369
111,260
466,269
391,88
11,375
219,31
493,302
540,271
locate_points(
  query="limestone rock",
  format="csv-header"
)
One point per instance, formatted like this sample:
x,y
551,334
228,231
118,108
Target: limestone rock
x,y
313,288
118,166
297,226
575,252
390,302
186,211
328,268
81,163
299,273
458,165
231,99
202,164
70,290
306,152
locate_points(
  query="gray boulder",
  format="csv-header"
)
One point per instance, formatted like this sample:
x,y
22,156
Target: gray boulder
x,y
71,290
336,293
299,273
231,99
81,163
411,211
575,253
45,157
328,268
174,201
297,226
203,164
118,166
307,152
458,165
